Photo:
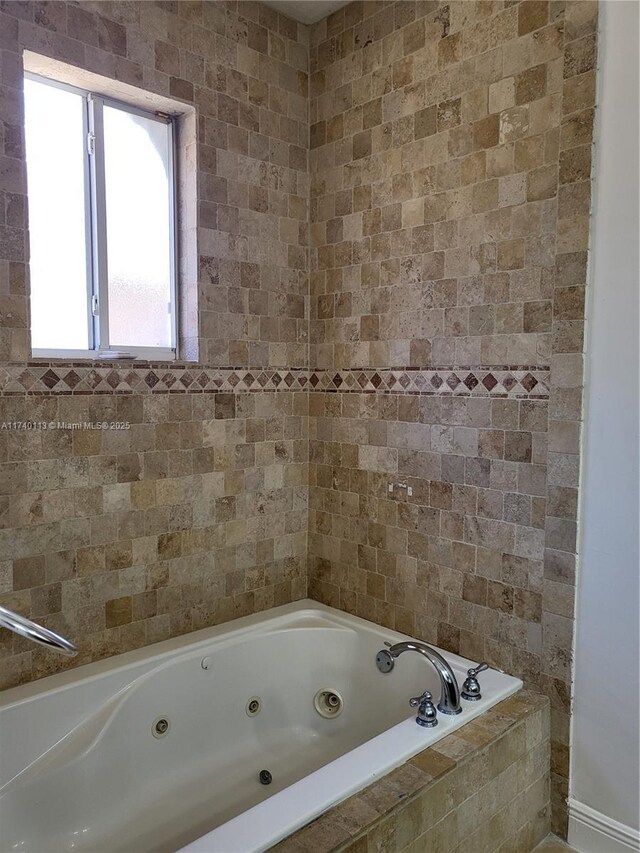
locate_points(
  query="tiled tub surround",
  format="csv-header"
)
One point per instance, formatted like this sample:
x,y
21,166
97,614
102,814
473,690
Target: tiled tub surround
x,y
483,788
197,513
449,216
459,562
82,745
436,158
121,537
450,164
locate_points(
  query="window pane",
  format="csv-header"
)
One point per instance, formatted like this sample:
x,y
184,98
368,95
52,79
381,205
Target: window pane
x,y
55,146
137,175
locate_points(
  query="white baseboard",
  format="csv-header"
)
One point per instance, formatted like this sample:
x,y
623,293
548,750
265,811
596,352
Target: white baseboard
x,y
593,832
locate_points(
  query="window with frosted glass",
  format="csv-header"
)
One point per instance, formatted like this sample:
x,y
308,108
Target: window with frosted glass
x,y
137,153
101,223
58,238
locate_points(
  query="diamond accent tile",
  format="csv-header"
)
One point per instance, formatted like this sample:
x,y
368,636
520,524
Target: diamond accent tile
x,y
50,379
113,378
93,379
470,381
489,382
27,379
71,379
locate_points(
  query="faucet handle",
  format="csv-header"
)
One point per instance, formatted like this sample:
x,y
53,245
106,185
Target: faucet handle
x,y
418,699
427,715
471,687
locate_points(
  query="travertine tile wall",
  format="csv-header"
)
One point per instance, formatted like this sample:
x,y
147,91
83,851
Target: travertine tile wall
x,y
244,68
198,512
449,202
119,538
450,165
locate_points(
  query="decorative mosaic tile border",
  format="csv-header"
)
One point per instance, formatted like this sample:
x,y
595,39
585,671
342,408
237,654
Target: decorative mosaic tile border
x,y
461,381
145,379
503,381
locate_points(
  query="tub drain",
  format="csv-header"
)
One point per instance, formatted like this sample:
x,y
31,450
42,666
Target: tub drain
x,y
265,777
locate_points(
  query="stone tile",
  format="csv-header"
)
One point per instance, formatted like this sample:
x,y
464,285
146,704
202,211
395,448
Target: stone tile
x,y
420,204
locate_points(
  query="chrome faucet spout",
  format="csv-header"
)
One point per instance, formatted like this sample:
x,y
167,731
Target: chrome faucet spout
x,y
450,692
32,631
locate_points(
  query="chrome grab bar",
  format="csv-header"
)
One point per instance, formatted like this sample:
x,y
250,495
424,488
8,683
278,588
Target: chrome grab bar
x,y
32,631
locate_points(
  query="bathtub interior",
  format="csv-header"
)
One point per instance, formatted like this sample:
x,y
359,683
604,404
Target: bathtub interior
x,y
109,783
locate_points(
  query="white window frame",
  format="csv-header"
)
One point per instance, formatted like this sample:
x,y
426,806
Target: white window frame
x,y
96,232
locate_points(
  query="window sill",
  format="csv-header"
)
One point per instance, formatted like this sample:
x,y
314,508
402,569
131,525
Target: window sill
x,y
85,358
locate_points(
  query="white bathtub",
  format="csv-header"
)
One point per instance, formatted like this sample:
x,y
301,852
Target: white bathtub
x,y
81,769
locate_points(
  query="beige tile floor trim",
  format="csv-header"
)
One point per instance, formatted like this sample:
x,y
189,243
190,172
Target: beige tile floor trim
x,y
553,844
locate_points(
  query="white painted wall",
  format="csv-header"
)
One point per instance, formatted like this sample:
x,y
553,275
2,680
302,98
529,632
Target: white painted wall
x,y
605,736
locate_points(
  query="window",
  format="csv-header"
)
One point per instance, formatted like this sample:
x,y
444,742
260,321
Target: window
x,y
101,225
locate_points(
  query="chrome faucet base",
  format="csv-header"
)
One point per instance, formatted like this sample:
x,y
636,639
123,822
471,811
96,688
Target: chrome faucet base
x,y
449,702
427,715
451,711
